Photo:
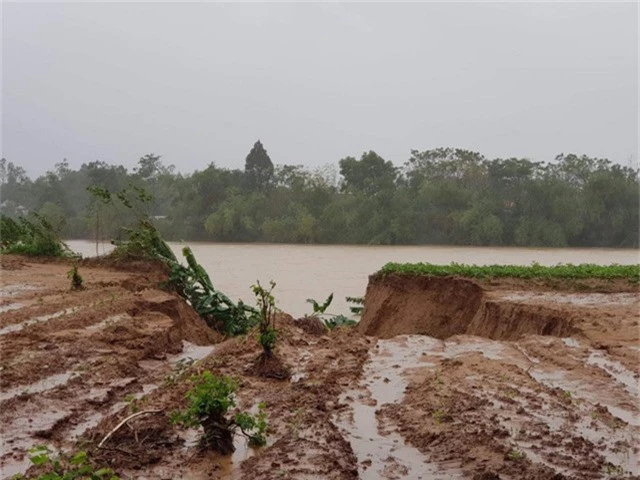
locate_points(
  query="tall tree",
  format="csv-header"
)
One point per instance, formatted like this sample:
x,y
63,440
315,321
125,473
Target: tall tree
x,y
258,168
370,175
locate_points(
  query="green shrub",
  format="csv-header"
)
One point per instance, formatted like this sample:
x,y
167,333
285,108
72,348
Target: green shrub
x,y
209,402
75,277
331,320
357,305
10,231
74,467
320,308
266,307
33,236
190,281
339,321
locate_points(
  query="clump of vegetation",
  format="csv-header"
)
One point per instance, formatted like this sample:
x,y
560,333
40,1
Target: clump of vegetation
x,y
268,364
143,241
535,270
75,277
267,305
72,467
331,320
516,455
193,283
209,402
357,305
340,321
10,231
32,236
190,281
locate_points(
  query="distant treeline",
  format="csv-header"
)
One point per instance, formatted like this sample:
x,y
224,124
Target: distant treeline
x,y
443,196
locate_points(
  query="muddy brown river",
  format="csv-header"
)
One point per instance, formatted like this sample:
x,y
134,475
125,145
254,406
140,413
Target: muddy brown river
x,y
314,271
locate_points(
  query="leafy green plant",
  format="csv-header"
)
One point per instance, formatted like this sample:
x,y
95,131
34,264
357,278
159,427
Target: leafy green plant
x,y
613,470
209,402
320,308
331,320
32,236
256,423
266,306
357,305
10,231
339,321
190,281
72,467
133,403
535,270
440,415
516,455
75,277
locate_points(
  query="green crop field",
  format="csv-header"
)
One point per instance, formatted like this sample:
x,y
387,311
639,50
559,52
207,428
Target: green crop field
x,y
566,271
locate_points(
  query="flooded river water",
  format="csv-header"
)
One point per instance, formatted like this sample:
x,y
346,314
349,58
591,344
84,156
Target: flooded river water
x,y
314,271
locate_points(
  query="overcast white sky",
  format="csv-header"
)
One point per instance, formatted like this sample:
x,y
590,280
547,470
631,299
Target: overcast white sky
x,y
200,82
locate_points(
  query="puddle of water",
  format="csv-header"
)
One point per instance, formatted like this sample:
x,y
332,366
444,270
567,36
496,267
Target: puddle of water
x,y
586,391
231,465
10,306
20,431
10,466
190,351
384,381
37,387
15,289
526,355
618,371
107,322
607,440
626,459
89,422
15,327
571,342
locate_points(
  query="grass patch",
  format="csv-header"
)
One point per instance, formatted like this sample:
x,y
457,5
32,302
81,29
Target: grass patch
x,y
535,270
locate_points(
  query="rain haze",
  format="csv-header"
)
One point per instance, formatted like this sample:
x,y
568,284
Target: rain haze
x,y
199,83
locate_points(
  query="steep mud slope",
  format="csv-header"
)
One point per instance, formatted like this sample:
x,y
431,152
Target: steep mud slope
x,y
507,379
435,306
506,310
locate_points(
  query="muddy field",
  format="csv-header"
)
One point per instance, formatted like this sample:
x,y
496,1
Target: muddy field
x,y
443,378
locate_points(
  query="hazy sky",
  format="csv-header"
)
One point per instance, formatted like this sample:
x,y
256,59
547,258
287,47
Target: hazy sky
x,y
200,82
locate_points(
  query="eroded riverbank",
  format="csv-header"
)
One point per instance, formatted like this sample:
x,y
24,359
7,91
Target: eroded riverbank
x,y
489,387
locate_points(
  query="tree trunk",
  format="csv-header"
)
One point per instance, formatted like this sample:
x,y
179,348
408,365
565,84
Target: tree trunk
x,y
218,435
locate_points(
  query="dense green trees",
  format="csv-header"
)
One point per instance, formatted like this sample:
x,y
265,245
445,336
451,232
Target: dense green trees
x,y
440,196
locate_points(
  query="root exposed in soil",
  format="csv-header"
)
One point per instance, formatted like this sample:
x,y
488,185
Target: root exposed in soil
x,y
269,366
218,435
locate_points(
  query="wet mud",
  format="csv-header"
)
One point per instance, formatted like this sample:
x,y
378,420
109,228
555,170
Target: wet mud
x,y
446,379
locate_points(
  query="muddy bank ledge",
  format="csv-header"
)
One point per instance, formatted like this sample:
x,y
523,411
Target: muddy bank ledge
x,y
515,378
500,309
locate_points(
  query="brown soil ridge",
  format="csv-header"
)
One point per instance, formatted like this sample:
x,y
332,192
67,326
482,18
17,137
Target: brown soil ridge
x,y
445,306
